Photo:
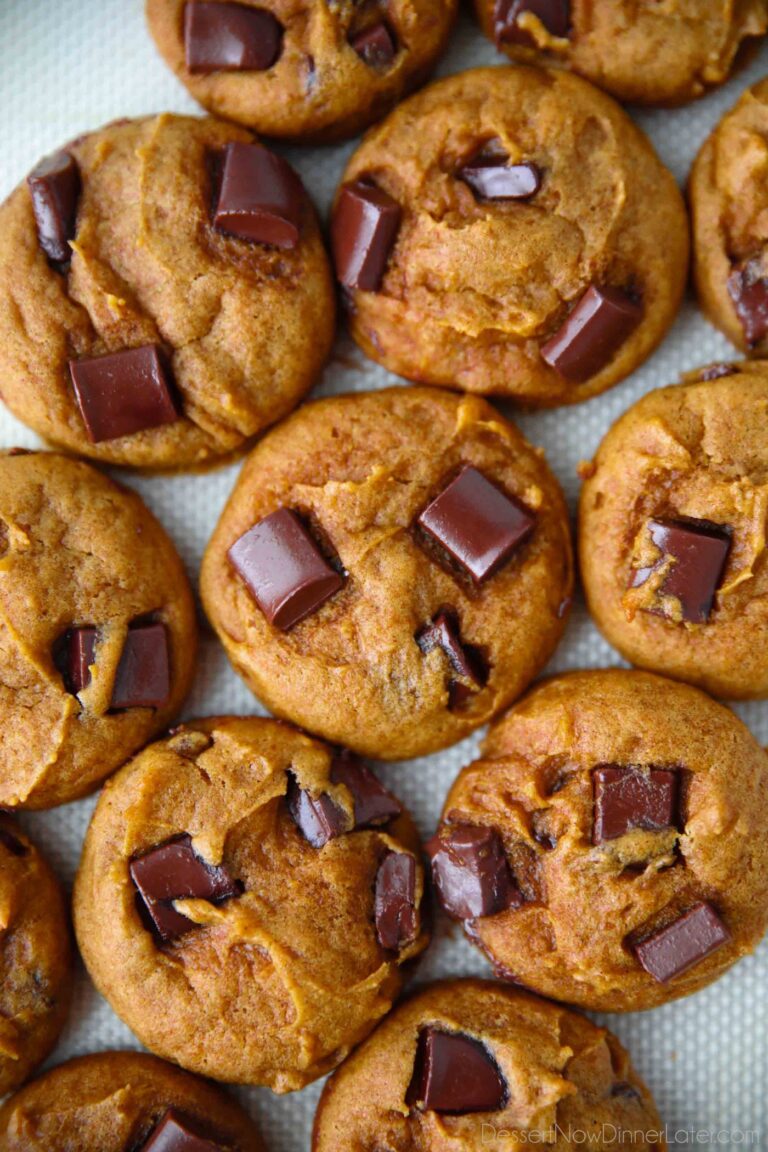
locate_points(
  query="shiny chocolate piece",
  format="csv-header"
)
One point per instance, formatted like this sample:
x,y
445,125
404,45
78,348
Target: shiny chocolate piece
x,y
699,551
593,333
630,798
373,803
555,15
465,660
54,186
230,38
375,46
123,393
283,568
477,524
174,871
494,178
364,229
73,656
397,922
260,197
318,818
471,873
685,942
454,1074
748,290
143,677
177,1133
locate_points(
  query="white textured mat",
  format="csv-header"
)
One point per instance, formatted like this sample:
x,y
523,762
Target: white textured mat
x,y
71,65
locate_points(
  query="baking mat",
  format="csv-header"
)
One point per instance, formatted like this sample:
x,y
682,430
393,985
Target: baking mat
x,y
68,66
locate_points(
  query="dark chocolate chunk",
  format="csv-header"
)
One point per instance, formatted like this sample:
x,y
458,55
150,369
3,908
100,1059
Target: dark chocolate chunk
x,y
143,677
478,525
318,818
716,372
77,655
685,942
443,632
373,803
555,15
177,1133
54,186
748,290
492,177
123,393
230,38
471,873
173,871
375,46
284,569
364,228
454,1073
260,197
699,552
591,336
628,798
397,922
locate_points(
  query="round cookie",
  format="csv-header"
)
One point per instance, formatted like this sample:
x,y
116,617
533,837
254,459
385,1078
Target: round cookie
x,y
510,231
308,70
97,628
123,1102
164,293
392,569
35,957
672,531
247,900
729,208
609,849
643,53
469,1064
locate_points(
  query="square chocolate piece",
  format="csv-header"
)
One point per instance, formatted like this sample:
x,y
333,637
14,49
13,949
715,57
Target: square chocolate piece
x,y
123,393
230,38
685,942
455,1074
260,197
177,1133
629,798
174,871
699,553
143,677
364,228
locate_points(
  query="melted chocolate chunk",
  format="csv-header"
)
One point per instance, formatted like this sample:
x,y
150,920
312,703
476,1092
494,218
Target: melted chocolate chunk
x,y
318,818
685,942
477,525
699,552
173,871
748,290
492,177
283,568
230,38
54,186
143,677
373,804
260,197
455,1074
593,333
75,656
471,873
375,46
555,15
629,798
177,1133
465,660
364,229
397,922
123,393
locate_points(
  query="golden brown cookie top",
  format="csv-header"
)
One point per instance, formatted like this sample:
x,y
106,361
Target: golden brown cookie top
x,y
468,1062
200,292
626,816
97,628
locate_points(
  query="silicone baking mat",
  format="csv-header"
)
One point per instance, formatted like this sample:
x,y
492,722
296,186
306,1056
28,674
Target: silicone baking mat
x,y
71,65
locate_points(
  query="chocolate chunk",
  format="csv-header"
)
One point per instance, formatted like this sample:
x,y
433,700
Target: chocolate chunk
x,y
373,803
375,46
54,186
77,655
364,229
493,178
143,677
230,38
123,393
685,942
260,197
628,798
454,1073
177,1133
471,873
465,660
284,569
555,15
589,339
173,871
699,551
748,290
479,526
397,921
318,818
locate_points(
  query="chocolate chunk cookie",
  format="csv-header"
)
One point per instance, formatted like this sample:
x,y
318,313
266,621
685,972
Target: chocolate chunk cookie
x,y
308,70
470,1064
646,53
672,531
97,628
247,899
510,231
164,293
392,569
123,1102
35,957
609,849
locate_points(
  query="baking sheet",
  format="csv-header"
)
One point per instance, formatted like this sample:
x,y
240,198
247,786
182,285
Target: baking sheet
x,y
71,65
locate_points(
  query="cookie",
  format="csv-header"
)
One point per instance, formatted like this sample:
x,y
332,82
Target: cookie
x,y
671,531
247,900
310,71
470,1064
97,628
391,570
609,849
510,231
644,53
124,1102
729,209
35,957
164,293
